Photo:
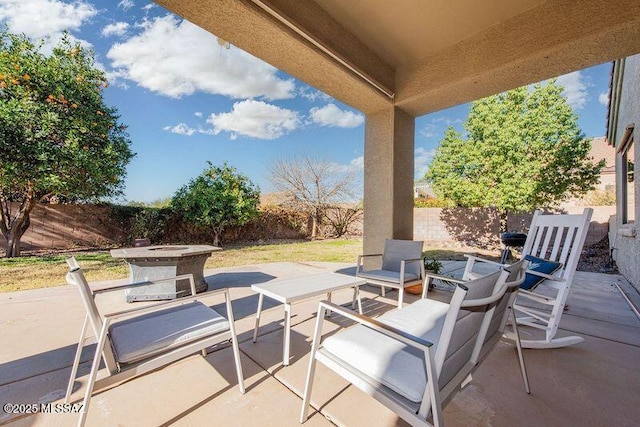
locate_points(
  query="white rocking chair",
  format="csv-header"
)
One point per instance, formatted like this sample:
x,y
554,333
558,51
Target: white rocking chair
x,y
554,242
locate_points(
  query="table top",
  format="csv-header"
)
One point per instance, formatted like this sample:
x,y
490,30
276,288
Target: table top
x,y
164,251
299,288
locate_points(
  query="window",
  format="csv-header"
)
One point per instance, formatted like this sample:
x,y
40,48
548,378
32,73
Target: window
x,y
628,176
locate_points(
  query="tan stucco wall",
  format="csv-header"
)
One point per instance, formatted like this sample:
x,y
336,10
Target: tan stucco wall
x,y
388,178
627,248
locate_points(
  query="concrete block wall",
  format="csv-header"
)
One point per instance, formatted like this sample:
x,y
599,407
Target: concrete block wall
x,y
479,227
73,226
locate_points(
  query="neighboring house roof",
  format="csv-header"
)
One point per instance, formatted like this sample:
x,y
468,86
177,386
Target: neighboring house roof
x,y
423,189
600,149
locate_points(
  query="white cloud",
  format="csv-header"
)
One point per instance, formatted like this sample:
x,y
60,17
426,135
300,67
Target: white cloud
x,y
198,114
180,129
603,98
447,121
177,58
149,6
256,119
354,166
575,89
422,159
429,131
331,115
126,4
311,94
45,19
358,163
116,29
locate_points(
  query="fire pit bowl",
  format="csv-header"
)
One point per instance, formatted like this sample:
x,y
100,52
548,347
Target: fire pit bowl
x,y
160,262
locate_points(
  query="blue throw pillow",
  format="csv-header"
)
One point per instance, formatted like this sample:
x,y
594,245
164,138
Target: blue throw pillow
x,y
540,265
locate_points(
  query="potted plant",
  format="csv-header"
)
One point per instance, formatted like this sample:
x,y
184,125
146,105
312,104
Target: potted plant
x,y
432,266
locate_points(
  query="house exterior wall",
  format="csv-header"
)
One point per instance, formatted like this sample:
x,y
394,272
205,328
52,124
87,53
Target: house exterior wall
x,y
626,102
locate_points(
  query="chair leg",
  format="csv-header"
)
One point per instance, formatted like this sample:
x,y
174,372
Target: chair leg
x,y
401,296
432,390
382,290
76,359
306,397
358,298
93,375
523,367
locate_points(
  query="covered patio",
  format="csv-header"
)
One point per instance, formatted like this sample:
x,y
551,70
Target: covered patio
x,y
395,61
591,383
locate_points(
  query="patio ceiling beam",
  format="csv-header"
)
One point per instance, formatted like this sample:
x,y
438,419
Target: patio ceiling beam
x,y
301,39
552,39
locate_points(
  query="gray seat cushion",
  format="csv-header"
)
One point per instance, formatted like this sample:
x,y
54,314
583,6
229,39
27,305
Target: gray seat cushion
x,y
385,360
387,276
140,337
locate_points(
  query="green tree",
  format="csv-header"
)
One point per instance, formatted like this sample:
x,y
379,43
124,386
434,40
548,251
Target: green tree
x,y
57,137
522,150
218,198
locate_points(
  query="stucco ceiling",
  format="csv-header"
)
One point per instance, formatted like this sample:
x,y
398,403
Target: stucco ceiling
x,y
421,55
405,31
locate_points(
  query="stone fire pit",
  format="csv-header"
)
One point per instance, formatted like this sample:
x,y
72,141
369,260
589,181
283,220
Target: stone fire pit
x,y
160,262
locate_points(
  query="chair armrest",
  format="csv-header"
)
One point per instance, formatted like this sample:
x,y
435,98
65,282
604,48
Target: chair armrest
x,y
479,259
444,278
146,283
368,255
375,325
166,304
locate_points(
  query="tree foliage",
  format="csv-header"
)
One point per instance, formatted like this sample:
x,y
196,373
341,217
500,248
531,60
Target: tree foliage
x,y
312,185
522,150
57,136
220,197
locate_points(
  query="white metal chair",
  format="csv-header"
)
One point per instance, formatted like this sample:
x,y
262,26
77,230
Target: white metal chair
x,y
413,359
143,339
554,241
401,266
502,311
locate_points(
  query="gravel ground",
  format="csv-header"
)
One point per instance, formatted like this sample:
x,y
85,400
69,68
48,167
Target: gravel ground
x,y
597,259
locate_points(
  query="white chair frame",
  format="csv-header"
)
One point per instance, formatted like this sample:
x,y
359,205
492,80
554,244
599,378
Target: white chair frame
x,y
119,373
401,274
556,237
434,394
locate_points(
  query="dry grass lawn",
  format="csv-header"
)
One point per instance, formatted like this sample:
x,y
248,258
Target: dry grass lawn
x,y
32,272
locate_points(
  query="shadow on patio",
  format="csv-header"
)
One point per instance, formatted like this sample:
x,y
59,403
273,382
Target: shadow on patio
x,y
592,383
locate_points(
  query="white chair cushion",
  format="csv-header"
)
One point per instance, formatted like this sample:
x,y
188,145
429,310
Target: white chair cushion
x,y
385,360
140,337
387,276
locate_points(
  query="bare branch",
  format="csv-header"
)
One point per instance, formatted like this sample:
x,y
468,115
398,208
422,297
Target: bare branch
x,y
313,185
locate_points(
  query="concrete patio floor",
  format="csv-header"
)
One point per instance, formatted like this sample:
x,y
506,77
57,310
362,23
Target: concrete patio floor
x,y
594,383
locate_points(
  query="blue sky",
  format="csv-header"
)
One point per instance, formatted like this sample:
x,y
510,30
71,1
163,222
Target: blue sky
x,y
187,99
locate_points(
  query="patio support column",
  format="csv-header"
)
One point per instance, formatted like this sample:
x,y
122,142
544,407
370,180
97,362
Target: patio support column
x,y
388,177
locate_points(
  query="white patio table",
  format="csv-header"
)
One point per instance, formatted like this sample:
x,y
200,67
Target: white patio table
x,y
289,291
